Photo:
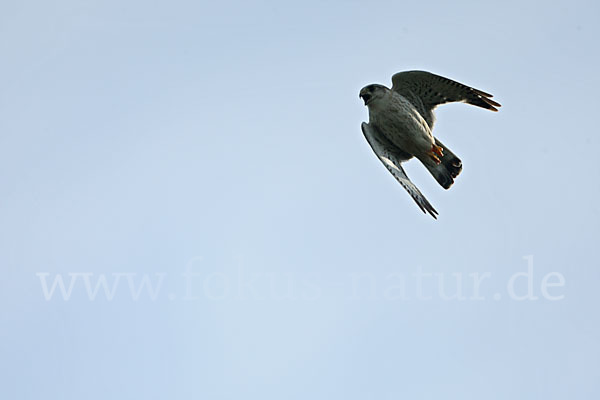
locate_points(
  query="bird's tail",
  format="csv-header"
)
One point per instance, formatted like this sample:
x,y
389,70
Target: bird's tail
x,y
447,170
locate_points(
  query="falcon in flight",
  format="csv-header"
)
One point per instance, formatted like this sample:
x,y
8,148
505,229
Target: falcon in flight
x,y
401,122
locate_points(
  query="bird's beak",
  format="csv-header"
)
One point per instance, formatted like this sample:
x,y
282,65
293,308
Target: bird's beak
x,y
365,96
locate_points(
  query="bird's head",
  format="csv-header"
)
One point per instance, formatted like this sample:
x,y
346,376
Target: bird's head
x,y
372,93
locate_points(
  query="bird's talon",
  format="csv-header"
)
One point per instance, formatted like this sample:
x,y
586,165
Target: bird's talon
x,y
434,157
437,150
435,153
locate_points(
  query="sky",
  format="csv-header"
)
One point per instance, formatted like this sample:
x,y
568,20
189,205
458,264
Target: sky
x,y
189,210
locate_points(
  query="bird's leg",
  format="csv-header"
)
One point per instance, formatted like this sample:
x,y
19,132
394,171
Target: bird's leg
x,y
436,153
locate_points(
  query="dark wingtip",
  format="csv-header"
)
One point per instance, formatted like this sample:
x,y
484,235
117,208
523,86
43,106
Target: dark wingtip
x,y
426,207
482,93
492,104
433,213
486,101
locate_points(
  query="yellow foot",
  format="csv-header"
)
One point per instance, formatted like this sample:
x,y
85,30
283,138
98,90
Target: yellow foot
x,y
435,153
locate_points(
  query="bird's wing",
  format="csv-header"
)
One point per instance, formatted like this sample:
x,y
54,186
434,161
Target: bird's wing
x,y
386,153
426,91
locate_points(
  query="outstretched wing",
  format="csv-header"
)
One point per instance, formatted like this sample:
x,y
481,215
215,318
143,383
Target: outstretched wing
x,y
391,158
426,91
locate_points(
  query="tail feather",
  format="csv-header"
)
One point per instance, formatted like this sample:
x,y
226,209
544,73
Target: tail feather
x,y
447,170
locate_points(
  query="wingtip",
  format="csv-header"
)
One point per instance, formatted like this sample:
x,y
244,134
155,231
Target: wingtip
x,y
433,213
428,209
493,103
490,104
482,93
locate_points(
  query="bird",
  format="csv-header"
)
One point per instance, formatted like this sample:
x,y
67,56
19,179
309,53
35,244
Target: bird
x,y
401,122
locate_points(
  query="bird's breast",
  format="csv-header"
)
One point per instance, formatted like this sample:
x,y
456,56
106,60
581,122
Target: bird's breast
x,y
402,124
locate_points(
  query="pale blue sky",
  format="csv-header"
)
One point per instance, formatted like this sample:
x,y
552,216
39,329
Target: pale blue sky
x,y
224,140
